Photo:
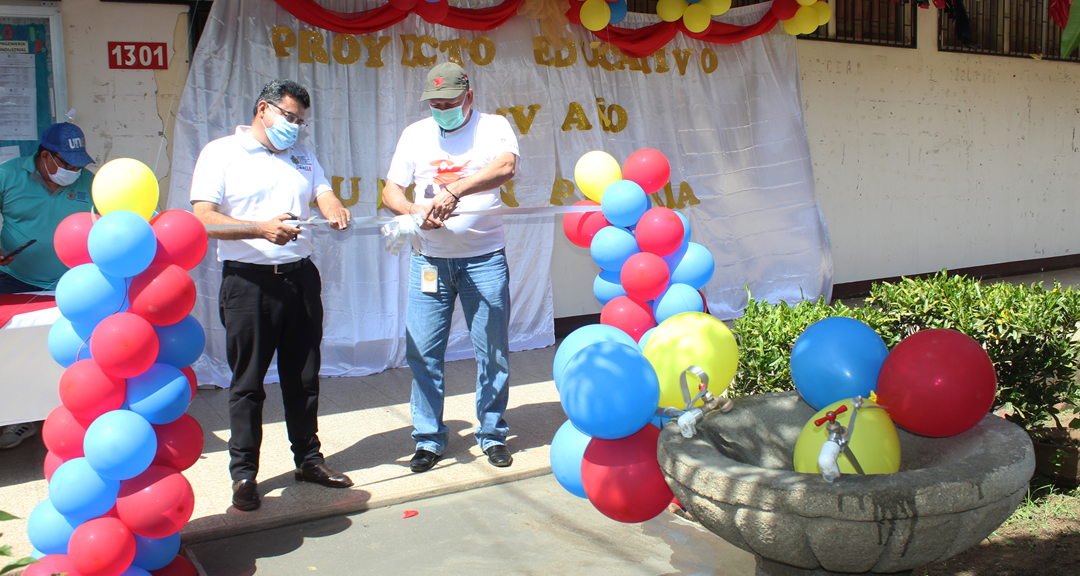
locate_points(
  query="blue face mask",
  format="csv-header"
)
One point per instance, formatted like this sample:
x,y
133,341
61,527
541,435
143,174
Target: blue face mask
x,y
448,119
282,133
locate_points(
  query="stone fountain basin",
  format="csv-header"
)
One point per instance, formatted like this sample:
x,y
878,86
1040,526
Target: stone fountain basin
x,y
735,476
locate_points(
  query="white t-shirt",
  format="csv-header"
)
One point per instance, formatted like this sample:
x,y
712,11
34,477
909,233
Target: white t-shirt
x,y
432,160
249,182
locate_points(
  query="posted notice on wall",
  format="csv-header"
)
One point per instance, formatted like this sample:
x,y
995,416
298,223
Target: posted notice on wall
x,y
18,97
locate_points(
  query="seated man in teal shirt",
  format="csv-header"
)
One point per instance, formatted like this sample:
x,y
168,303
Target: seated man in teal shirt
x,y
36,193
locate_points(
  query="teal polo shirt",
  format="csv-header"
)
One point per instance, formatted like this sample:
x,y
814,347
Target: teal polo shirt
x,y
30,212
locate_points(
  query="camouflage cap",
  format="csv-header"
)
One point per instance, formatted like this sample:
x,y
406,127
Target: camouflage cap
x,y
447,80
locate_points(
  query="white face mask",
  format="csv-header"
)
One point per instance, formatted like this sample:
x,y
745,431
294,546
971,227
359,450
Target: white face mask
x,y
63,177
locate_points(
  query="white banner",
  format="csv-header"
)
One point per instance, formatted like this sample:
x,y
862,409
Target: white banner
x,y
728,117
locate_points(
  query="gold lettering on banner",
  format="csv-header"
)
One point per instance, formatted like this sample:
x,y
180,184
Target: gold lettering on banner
x,y
542,52
506,193
682,57
375,47
560,189
380,184
347,49
633,64
616,118
667,201
660,60
482,50
411,43
600,51
575,117
311,47
453,49
335,184
410,192
523,121
709,62
686,196
601,111
282,38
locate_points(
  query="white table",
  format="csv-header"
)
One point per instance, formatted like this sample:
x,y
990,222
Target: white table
x,y
29,377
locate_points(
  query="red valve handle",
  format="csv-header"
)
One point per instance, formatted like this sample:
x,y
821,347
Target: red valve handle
x,y
830,415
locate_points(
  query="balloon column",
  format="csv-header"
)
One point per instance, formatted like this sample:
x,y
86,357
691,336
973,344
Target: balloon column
x,y
802,16
611,376
120,440
696,15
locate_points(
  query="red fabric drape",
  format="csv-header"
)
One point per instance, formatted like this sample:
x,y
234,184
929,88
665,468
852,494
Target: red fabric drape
x,y
12,304
376,19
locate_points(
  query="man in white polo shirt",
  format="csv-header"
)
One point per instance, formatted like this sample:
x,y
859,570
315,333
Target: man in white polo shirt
x,y
260,180
458,158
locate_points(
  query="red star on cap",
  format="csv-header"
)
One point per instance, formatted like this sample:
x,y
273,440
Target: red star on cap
x,y
438,81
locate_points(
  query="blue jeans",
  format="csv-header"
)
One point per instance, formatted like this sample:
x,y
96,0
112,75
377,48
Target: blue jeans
x,y
483,284
11,285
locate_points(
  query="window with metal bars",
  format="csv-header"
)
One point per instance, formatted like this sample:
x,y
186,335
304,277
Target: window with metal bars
x,y
879,22
1021,28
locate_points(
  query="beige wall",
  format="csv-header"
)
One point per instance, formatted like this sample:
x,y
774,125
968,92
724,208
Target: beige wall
x,y
122,111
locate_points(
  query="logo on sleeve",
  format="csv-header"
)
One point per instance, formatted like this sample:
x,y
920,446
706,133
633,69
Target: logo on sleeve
x,y
301,162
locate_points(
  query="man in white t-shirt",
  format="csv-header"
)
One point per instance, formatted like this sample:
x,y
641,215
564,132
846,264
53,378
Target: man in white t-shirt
x,y
458,158
261,181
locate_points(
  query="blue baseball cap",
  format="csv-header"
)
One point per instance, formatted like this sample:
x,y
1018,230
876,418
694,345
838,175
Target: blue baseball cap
x,y
68,142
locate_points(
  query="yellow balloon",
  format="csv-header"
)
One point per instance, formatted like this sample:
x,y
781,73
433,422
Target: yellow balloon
x,y
824,12
125,184
806,2
671,10
691,339
595,171
806,18
874,441
696,18
595,14
792,27
717,7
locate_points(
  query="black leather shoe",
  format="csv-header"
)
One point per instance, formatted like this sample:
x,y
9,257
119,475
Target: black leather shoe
x,y
245,495
423,460
499,455
322,475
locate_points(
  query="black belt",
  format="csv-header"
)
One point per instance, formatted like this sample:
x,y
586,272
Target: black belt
x,y
271,268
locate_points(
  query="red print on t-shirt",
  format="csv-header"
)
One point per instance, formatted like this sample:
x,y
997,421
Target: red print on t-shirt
x,y
447,171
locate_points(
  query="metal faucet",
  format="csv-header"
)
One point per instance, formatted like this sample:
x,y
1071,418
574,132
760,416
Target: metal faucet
x,y
689,418
839,437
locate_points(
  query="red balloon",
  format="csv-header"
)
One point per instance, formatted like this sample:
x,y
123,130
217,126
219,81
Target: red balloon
x,y
937,383
63,433
785,9
180,566
622,478
433,12
163,294
52,564
156,503
194,383
179,443
580,227
659,231
69,239
631,316
52,462
181,238
88,392
649,168
101,547
644,276
124,345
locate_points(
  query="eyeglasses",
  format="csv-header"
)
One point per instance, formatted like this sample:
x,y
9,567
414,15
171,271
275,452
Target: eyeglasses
x,y
63,163
289,116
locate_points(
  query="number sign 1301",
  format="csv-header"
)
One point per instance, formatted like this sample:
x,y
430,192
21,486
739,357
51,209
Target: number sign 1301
x,y
137,55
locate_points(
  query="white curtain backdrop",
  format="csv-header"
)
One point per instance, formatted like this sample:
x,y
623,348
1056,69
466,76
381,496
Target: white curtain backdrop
x,y
734,134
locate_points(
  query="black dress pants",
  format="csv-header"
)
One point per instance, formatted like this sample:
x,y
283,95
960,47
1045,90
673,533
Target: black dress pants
x,y
262,313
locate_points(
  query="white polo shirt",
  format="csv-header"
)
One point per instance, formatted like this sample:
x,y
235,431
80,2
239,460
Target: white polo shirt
x,y
433,160
249,182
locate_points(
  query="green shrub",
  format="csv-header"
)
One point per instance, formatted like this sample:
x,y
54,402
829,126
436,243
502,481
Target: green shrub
x,y
1026,330
6,550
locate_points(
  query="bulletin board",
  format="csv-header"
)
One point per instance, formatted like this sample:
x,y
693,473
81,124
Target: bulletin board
x,y
33,81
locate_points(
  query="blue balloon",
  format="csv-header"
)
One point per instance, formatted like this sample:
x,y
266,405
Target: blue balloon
x,y
582,337
686,228
160,395
85,295
69,343
678,298
618,11
122,243
120,444
645,338
155,553
612,246
181,344
694,268
835,359
660,420
607,286
623,203
37,554
49,530
80,493
134,570
609,390
567,450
